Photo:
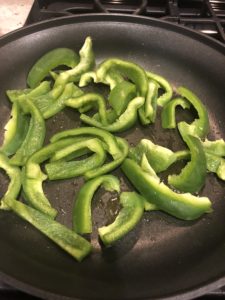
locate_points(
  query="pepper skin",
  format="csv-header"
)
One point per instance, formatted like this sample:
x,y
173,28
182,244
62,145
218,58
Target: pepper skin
x,y
49,61
90,98
108,167
68,169
192,177
215,153
168,112
33,177
160,158
15,180
182,206
124,122
65,238
147,112
200,127
15,130
109,139
128,217
121,95
82,222
164,84
128,69
35,135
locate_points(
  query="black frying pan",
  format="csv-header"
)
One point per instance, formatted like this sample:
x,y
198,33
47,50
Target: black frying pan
x,y
163,257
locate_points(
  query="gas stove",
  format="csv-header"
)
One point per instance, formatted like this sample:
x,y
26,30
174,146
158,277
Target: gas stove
x,y
205,16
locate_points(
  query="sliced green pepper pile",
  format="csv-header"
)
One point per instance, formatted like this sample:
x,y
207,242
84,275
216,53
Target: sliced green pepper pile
x,y
135,95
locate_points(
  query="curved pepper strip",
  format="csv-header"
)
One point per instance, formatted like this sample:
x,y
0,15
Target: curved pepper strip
x,y
192,177
63,169
215,151
15,180
15,130
110,114
200,127
106,137
128,69
87,62
128,217
160,158
72,155
42,89
183,206
113,78
164,84
82,222
33,176
49,61
108,167
58,104
65,238
85,99
35,135
168,112
124,122
121,95
87,78
147,113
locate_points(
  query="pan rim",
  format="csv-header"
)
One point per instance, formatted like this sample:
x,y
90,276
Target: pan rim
x,y
124,18
41,25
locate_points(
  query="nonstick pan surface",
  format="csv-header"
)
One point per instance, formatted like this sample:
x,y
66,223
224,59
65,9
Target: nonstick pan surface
x,y
162,257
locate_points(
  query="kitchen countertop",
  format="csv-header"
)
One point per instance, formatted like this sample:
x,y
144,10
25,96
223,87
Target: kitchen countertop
x,y
13,14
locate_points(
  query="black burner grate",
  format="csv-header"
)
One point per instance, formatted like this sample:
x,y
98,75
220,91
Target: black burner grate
x,y
206,16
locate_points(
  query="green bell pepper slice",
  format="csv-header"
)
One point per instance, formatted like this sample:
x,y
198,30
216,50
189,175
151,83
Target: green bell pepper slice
x,y
192,177
108,167
121,95
116,147
168,112
65,238
109,139
112,79
124,122
15,130
35,135
128,69
90,98
42,89
128,217
82,220
15,180
164,84
160,158
33,176
147,113
215,153
56,105
182,206
63,169
49,61
200,127
87,78
86,63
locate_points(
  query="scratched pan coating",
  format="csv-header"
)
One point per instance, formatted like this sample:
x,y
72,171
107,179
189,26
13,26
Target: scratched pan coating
x,y
162,257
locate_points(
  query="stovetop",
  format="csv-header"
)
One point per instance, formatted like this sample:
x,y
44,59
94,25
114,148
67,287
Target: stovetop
x,y
206,16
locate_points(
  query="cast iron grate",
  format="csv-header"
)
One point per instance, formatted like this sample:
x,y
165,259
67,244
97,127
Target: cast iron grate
x,y
206,16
